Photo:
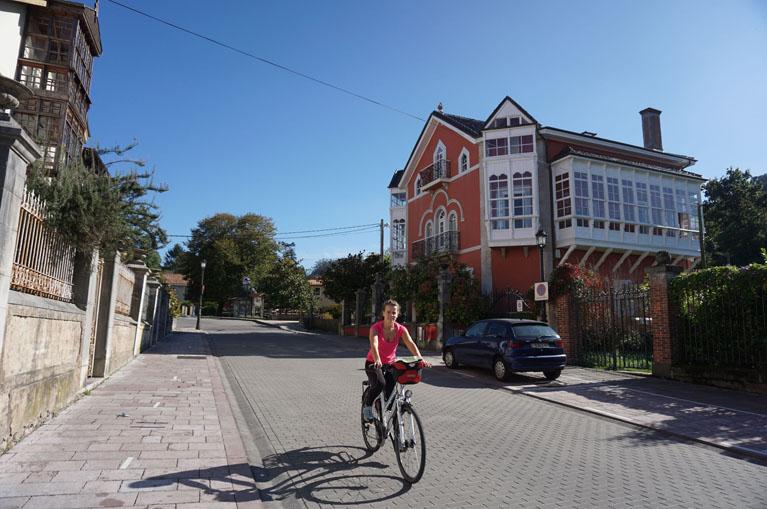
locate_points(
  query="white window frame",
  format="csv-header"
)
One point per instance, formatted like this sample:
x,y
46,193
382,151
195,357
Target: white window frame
x,y
461,167
519,184
498,221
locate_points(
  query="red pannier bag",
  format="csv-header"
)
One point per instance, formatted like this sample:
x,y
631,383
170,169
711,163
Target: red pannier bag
x,y
407,372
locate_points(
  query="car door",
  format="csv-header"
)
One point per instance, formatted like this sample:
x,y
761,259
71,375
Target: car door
x,y
468,352
494,334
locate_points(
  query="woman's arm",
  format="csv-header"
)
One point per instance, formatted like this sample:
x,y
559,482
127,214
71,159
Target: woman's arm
x,y
410,345
374,347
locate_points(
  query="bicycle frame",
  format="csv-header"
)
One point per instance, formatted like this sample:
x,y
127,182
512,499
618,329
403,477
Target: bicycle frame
x,y
392,407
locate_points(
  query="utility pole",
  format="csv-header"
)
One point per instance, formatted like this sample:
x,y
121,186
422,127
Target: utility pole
x,y
382,235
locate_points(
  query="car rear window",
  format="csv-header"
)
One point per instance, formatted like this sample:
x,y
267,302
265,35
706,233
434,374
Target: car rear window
x,y
533,331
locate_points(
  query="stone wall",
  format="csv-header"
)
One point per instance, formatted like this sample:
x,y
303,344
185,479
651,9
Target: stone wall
x,y
121,346
40,372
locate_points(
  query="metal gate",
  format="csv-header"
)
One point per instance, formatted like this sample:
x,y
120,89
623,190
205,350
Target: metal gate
x,y
613,327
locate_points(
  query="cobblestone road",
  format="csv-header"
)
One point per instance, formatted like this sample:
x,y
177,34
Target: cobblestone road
x,y
486,447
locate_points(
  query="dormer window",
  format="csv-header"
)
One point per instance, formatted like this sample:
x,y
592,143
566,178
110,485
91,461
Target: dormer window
x,y
515,121
500,122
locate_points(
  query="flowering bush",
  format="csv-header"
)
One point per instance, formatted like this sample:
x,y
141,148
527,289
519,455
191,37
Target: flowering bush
x,y
568,278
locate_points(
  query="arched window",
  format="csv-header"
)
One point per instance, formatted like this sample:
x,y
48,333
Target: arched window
x,y
464,162
439,161
523,199
418,185
441,225
452,222
499,202
429,230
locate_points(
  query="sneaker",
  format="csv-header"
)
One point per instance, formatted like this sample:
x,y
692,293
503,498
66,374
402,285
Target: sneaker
x,y
367,413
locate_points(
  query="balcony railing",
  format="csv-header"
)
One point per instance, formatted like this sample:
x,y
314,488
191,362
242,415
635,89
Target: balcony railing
x,y
435,172
448,242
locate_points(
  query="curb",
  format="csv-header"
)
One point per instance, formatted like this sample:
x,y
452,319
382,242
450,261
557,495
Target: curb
x,y
734,449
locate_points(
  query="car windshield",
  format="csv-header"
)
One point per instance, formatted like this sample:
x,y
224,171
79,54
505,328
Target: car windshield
x,y
534,330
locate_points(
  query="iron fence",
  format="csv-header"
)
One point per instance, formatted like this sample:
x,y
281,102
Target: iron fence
x,y
43,263
447,242
613,327
721,327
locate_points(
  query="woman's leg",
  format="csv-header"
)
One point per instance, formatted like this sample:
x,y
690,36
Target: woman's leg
x,y
377,382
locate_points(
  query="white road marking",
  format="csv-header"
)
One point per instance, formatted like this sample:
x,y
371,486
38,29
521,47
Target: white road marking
x,y
127,462
156,405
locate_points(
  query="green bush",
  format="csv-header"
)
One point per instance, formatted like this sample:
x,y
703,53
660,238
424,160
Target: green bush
x,y
210,308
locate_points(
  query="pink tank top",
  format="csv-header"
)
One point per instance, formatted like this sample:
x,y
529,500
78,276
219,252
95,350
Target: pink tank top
x,y
387,350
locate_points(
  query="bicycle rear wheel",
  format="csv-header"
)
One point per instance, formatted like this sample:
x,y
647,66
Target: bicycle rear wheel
x,y
371,431
410,449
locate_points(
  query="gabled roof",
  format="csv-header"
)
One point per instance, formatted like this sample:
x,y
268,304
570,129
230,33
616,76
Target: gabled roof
x,y
396,178
516,105
470,126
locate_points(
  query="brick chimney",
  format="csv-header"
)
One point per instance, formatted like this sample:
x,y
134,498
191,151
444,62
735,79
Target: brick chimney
x,y
651,128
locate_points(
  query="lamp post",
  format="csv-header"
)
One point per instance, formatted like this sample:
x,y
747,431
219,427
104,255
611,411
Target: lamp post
x,y
540,239
202,290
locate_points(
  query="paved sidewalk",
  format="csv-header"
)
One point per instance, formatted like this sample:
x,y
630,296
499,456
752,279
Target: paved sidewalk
x,y
728,419
159,433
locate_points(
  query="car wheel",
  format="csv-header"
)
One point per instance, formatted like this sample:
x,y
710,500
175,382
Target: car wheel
x,y
553,374
499,369
449,359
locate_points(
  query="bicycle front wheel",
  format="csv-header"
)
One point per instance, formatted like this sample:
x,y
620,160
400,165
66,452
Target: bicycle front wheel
x,y
371,431
410,445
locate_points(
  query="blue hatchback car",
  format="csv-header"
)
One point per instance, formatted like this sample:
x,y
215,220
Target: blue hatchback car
x,y
506,346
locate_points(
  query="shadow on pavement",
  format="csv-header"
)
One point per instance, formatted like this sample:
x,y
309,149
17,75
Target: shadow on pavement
x,y
337,475
226,483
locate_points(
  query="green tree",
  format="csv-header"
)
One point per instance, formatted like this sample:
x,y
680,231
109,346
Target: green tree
x,y
233,247
286,286
174,258
95,209
320,267
735,213
345,276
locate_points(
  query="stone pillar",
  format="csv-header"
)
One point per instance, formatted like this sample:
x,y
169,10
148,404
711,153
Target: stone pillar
x,y
84,294
661,317
141,271
443,294
378,297
153,308
565,319
110,278
17,152
358,310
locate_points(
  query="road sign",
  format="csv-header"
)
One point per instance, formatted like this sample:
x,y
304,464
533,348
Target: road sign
x,y
520,306
541,291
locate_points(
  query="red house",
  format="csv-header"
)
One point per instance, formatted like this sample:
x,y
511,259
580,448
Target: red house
x,y
481,190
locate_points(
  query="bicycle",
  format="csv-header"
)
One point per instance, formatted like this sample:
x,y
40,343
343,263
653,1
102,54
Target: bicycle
x,y
396,418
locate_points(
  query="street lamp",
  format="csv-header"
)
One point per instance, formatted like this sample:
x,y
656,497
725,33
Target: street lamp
x,y
540,239
202,290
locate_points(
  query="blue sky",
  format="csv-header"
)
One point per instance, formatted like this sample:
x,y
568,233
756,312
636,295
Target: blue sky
x,y
229,134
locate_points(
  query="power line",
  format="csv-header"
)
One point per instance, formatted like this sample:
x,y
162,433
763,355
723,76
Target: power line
x,y
267,61
320,232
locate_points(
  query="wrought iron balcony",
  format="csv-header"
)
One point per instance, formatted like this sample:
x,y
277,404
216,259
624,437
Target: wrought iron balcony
x,y
448,242
434,173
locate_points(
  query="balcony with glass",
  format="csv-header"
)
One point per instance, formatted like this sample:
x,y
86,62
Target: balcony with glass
x,y
627,209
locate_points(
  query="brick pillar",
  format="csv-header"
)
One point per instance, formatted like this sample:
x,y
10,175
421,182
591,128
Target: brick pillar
x,y
564,314
661,316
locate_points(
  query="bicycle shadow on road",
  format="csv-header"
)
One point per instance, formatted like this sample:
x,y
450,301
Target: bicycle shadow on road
x,y
225,483
338,475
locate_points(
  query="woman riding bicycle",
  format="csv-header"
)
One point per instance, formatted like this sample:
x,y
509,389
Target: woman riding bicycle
x,y
384,338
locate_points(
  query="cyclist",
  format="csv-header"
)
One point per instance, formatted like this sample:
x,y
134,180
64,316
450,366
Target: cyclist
x,y
385,336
